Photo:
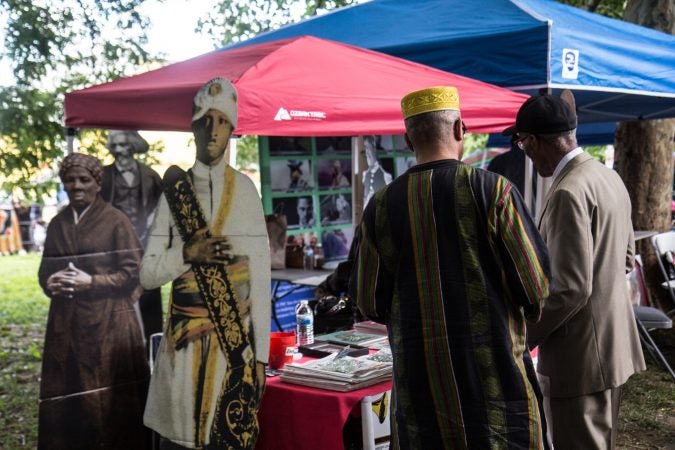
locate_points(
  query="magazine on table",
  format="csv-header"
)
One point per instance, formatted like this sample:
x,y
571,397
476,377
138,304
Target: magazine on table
x,y
345,368
341,373
370,327
351,337
332,385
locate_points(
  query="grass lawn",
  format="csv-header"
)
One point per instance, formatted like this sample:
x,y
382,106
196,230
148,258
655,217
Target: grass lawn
x,y
23,317
647,411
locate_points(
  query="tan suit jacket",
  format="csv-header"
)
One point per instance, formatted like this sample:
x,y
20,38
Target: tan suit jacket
x,y
587,337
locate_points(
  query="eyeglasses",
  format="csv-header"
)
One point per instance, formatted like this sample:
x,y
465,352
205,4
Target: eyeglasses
x,y
521,141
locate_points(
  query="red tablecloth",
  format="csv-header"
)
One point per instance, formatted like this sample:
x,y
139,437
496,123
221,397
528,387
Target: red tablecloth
x,y
294,417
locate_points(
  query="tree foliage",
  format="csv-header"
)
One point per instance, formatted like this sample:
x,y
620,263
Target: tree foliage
x,y
55,46
238,20
247,152
609,8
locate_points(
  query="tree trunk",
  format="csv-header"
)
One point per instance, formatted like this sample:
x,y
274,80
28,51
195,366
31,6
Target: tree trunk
x,y
656,14
644,156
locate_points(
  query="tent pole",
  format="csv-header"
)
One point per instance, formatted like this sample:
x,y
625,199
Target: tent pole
x,y
529,194
231,153
70,139
358,164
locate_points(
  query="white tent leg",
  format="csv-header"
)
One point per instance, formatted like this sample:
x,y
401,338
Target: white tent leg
x,y
70,140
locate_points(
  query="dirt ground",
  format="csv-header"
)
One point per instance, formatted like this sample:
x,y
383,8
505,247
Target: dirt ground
x,y
648,405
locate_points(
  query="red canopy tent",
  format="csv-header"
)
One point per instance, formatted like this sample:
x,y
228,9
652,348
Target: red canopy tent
x,y
302,86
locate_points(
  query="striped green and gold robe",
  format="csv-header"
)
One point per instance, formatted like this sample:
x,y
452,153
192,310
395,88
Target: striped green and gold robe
x,y
452,262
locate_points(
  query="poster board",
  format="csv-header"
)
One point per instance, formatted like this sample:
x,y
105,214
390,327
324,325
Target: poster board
x,y
318,184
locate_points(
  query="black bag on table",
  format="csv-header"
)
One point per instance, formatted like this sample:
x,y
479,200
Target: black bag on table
x,y
333,313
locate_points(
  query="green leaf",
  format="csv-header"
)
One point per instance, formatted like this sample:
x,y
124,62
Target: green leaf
x,y
55,47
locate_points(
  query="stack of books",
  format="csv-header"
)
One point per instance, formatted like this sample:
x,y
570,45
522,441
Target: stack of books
x,y
370,327
341,373
352,337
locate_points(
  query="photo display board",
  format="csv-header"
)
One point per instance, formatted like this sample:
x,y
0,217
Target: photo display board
x,y
310,180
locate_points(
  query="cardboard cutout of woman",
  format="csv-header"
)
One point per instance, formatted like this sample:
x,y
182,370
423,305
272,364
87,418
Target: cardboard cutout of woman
x,y
94,370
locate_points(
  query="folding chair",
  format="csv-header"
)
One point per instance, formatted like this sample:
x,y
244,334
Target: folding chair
x,y
649,318
153,349
664,247
375,421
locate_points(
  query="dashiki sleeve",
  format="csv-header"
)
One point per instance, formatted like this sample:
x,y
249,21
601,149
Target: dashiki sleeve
x,y
371,282
522,250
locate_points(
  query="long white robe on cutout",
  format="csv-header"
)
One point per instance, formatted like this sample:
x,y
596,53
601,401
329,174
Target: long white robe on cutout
x,y
170,405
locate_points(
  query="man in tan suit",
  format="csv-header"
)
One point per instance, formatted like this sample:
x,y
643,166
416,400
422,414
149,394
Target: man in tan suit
x,y
587,337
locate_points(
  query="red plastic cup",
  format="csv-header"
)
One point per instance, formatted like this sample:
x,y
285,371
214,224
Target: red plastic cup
x,y
281,348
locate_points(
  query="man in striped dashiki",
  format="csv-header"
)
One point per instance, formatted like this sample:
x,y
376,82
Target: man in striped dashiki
x,y
452,262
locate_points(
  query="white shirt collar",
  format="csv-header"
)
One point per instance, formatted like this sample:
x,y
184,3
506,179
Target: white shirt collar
x,y
133,168
78,217
563,162
202,170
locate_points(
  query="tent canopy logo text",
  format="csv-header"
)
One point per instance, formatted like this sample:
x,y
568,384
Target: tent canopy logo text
x,y
295,114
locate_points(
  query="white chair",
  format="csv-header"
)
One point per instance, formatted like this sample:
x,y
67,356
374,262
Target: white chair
x,y
153,348
375,424
664,247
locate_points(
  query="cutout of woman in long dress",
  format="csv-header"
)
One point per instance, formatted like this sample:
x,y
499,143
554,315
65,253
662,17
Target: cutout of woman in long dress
x,y
94,370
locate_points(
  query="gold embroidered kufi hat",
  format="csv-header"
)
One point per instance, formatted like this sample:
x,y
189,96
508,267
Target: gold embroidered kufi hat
x,y
438,98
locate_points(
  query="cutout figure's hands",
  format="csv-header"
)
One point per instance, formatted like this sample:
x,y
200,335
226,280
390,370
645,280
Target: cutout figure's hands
x,y
69,281
55,283
203,248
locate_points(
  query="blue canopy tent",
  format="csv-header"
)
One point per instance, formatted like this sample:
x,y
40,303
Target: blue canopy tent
x,y
618,71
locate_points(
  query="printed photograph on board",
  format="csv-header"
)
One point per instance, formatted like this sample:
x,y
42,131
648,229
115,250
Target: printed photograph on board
x,y
291,175
336,243
336,144
299,211
334,173
290,145
335,209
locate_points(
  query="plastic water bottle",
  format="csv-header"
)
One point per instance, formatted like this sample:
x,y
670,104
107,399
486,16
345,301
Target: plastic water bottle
x,y
318,256
304,319
308,261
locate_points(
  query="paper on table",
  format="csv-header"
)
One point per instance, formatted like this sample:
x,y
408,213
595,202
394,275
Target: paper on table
x,y
344,374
